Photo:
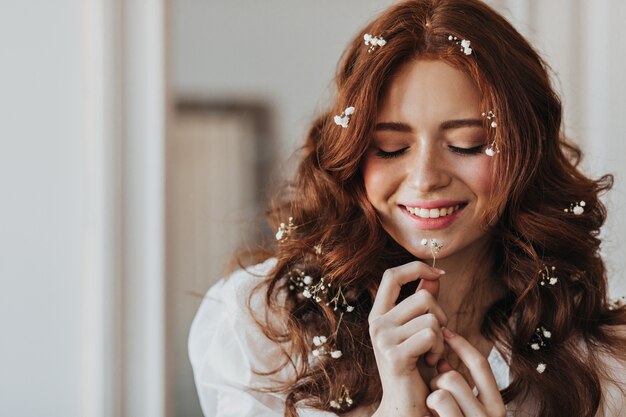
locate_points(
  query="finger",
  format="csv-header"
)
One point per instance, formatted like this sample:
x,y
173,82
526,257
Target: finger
x,y
426,321
432,357
421,302
431,286
418,344
400,333
441,402
394,278
454,383
479,368
444,366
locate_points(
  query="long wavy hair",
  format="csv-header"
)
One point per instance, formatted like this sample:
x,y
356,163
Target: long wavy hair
x,y
338,235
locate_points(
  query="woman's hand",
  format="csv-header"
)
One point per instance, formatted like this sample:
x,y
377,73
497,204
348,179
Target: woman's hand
x,y
402,333
451,394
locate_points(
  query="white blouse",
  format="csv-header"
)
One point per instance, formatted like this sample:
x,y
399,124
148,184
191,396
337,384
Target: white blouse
x,y
226,345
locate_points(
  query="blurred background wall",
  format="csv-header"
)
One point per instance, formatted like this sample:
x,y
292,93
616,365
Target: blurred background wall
x,y
139,139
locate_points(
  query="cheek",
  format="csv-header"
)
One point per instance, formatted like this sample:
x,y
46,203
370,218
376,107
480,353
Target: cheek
x,y
376,180
480,177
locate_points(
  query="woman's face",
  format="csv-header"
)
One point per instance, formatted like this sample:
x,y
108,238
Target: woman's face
x,y
425,171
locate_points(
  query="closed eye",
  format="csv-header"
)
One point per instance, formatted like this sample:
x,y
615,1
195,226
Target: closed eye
x,y
386,155
467,151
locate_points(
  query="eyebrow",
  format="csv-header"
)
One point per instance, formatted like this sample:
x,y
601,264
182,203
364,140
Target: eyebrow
x,y
447,125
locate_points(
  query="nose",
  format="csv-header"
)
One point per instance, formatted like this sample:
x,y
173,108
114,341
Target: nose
x,y
427,172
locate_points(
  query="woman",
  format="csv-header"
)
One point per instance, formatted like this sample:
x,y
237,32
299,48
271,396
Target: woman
x,y
437,253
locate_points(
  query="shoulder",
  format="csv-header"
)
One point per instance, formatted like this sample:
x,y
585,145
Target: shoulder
x,y
228,350
224,316
232,291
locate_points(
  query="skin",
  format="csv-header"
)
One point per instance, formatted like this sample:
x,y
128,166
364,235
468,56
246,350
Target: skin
x,y
424,368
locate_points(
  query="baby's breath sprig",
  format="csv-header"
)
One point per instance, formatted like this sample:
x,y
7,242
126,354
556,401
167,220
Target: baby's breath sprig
x,y
465,44
435,247
539,340
373,42
319,291
577,208
340,298
547,277
301,281
284,230
344,398
323,348
541,367
343,119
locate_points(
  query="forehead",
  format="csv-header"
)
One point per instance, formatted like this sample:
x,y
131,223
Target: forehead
x,y
429,90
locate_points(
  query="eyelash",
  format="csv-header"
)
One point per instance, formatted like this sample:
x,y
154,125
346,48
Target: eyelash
x,y
388,155
461,151
467,151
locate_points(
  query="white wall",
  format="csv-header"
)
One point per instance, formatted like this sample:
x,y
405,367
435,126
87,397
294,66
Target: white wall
x,y
82,129
40,221
282,51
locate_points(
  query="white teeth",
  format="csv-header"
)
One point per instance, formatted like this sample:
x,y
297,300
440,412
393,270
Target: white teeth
x,y
432,213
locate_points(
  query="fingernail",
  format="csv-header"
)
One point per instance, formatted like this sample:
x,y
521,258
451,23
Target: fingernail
x,y
437,270
448,333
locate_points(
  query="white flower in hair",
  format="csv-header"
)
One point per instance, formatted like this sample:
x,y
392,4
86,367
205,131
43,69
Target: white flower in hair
x,y
284,230
344,118
547,276
576,208
465,44
319,340
540,338
373,41
344,398
541,368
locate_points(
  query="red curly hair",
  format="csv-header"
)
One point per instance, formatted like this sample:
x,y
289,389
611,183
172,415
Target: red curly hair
x,y
537,176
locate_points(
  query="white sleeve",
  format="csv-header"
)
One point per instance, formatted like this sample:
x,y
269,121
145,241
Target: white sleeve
x,y
225,346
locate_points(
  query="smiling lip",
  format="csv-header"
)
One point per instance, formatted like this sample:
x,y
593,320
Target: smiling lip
x,y
435,223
